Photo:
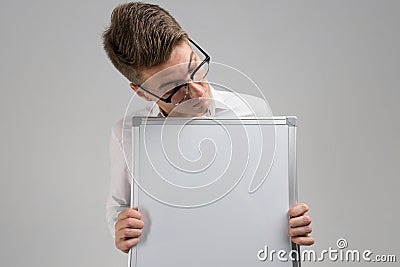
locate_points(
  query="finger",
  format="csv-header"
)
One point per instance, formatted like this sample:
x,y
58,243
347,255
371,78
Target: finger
x,y
300,221
129,213
298,210
303,240
128,233
300,231
125,245
129,223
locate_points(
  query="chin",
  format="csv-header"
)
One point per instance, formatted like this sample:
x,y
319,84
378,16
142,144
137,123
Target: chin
x,y
195,108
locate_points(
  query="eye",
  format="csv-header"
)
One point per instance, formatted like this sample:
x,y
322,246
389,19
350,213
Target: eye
x,y
169,92
194,65
171,88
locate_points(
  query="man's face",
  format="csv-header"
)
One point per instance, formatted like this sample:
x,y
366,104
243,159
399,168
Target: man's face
x,y
161,80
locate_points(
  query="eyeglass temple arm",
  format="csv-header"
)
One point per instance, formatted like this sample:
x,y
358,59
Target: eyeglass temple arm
x,y
166,100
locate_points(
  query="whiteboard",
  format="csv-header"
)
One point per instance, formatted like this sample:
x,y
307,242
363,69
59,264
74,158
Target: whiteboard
x,y
214,192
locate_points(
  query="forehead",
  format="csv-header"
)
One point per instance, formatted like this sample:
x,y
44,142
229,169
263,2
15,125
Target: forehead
x,y
179,56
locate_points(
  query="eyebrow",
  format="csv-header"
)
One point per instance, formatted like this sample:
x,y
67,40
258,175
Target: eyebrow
x,y
171,82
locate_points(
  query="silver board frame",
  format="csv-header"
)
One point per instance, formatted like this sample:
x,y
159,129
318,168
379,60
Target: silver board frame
x,y
290,121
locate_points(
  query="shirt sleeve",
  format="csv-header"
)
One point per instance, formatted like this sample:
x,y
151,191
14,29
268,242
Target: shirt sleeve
x,y
119,194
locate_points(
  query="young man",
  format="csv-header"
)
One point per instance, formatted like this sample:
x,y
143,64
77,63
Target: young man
x,y
146,44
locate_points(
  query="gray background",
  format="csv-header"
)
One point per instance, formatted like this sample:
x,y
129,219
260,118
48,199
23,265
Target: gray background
x,y
334,64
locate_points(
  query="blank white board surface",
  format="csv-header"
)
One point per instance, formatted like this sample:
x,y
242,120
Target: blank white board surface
x,y
213,192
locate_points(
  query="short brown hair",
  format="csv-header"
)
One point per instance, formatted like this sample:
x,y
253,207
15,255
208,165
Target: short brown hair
x,y
140,35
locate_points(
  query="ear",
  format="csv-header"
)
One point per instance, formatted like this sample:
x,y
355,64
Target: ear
x,y
139,92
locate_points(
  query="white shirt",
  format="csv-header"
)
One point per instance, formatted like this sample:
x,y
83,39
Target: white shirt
x,y
224,104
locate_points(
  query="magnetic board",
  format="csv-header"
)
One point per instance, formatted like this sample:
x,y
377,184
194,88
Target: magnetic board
x,y
214,192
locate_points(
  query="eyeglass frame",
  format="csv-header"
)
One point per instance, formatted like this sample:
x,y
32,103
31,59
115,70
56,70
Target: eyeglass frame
x,y
168,100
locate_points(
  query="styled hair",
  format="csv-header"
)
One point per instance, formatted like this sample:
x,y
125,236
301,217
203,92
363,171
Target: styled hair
x,y
140,35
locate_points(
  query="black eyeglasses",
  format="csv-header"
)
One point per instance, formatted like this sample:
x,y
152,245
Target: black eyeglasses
x,y
176,95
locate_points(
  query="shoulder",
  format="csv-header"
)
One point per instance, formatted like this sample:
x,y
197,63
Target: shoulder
x,y
124,124
242,105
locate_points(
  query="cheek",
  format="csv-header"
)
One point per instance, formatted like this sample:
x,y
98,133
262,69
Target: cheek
x,y
165,106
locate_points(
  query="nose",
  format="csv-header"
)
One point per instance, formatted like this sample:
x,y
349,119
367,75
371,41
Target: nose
x,y
196,90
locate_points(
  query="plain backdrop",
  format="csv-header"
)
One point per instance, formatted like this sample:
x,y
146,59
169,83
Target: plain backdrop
x,y
333,64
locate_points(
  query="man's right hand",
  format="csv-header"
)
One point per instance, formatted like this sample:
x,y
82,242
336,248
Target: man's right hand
x,y
128,228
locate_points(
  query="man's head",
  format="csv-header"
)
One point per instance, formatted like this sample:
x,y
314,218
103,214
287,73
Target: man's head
x,y
140,36
144,40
